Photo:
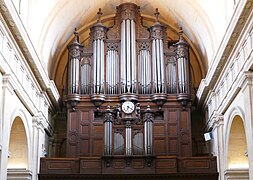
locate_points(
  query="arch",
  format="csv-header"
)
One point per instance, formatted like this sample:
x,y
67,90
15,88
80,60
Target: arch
x,y
20,114
18,146
235,141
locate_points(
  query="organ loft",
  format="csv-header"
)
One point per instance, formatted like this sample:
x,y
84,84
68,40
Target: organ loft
x,y
128,102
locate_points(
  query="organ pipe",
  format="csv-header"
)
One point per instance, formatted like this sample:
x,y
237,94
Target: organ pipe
x,y
128,48
171,74
144,69
108,132
157,36
128,138
112,68
98,34
183,65
74,65
75,50
148,131
85,75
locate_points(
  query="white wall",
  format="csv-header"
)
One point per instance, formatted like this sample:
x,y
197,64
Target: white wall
x,y
22,96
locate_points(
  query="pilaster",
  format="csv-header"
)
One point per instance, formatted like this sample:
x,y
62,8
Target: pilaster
x,y
7,91
247,90
219,144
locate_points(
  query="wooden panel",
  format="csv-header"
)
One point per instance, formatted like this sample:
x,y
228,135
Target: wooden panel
x,y
166,165
159,129
59,166
90,166
185,120
84,146
173,116
119,163
98,130
138,163
97,147
197,164
85,129
159,145
85,116
173,145
72,120
173,129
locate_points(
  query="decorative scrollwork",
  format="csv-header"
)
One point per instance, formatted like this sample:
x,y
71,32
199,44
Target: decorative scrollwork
x,y
144,46
86,60
74,53
112,47
182,53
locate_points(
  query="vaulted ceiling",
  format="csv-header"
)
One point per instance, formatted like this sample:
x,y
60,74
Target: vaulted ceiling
x,y
50,24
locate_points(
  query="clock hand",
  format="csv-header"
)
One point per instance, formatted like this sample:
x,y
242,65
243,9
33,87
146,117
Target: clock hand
x,y
128,107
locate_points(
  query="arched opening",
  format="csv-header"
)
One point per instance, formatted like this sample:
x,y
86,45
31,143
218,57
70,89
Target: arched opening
x,y
237,147
18,147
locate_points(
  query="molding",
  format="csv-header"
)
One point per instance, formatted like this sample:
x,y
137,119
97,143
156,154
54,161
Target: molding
x,y
237,174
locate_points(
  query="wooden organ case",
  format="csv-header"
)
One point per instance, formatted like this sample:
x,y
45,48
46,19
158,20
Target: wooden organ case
x,y
128,105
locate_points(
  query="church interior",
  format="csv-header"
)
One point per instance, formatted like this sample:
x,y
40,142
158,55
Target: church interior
x,y
126,89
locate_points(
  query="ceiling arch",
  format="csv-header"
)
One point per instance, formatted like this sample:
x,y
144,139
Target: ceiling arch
x,y
53,22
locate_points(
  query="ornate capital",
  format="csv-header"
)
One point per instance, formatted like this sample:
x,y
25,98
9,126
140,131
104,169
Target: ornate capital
x,y
128,11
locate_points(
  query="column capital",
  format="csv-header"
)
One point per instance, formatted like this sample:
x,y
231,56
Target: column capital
x,y
246,79
218,121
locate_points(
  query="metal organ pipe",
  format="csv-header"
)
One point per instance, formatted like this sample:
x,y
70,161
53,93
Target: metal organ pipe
x,y
74,66
85,76
123,60
128,47
98,34
183,65
148,132
108,132
171,74
157,36
128,138
112,68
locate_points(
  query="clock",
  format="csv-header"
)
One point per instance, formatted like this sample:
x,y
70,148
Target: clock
x,y
128,107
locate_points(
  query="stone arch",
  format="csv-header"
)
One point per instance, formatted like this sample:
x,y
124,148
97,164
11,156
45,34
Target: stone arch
x,y
18,146
235,141
20,115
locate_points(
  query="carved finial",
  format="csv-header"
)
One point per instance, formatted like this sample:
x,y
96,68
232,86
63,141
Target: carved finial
x,y
148,108
99,15
156,14
181,34
76,38
108,105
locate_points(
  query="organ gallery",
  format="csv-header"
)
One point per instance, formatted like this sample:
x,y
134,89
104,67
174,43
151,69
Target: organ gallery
x,y
128,101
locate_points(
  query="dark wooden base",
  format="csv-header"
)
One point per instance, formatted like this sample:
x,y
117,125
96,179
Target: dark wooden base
x,y
134,167
174,176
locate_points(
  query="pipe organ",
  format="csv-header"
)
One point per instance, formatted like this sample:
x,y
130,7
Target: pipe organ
x,y
129,103
131,58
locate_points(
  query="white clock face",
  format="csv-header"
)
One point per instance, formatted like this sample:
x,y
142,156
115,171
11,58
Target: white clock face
x,y
128,107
